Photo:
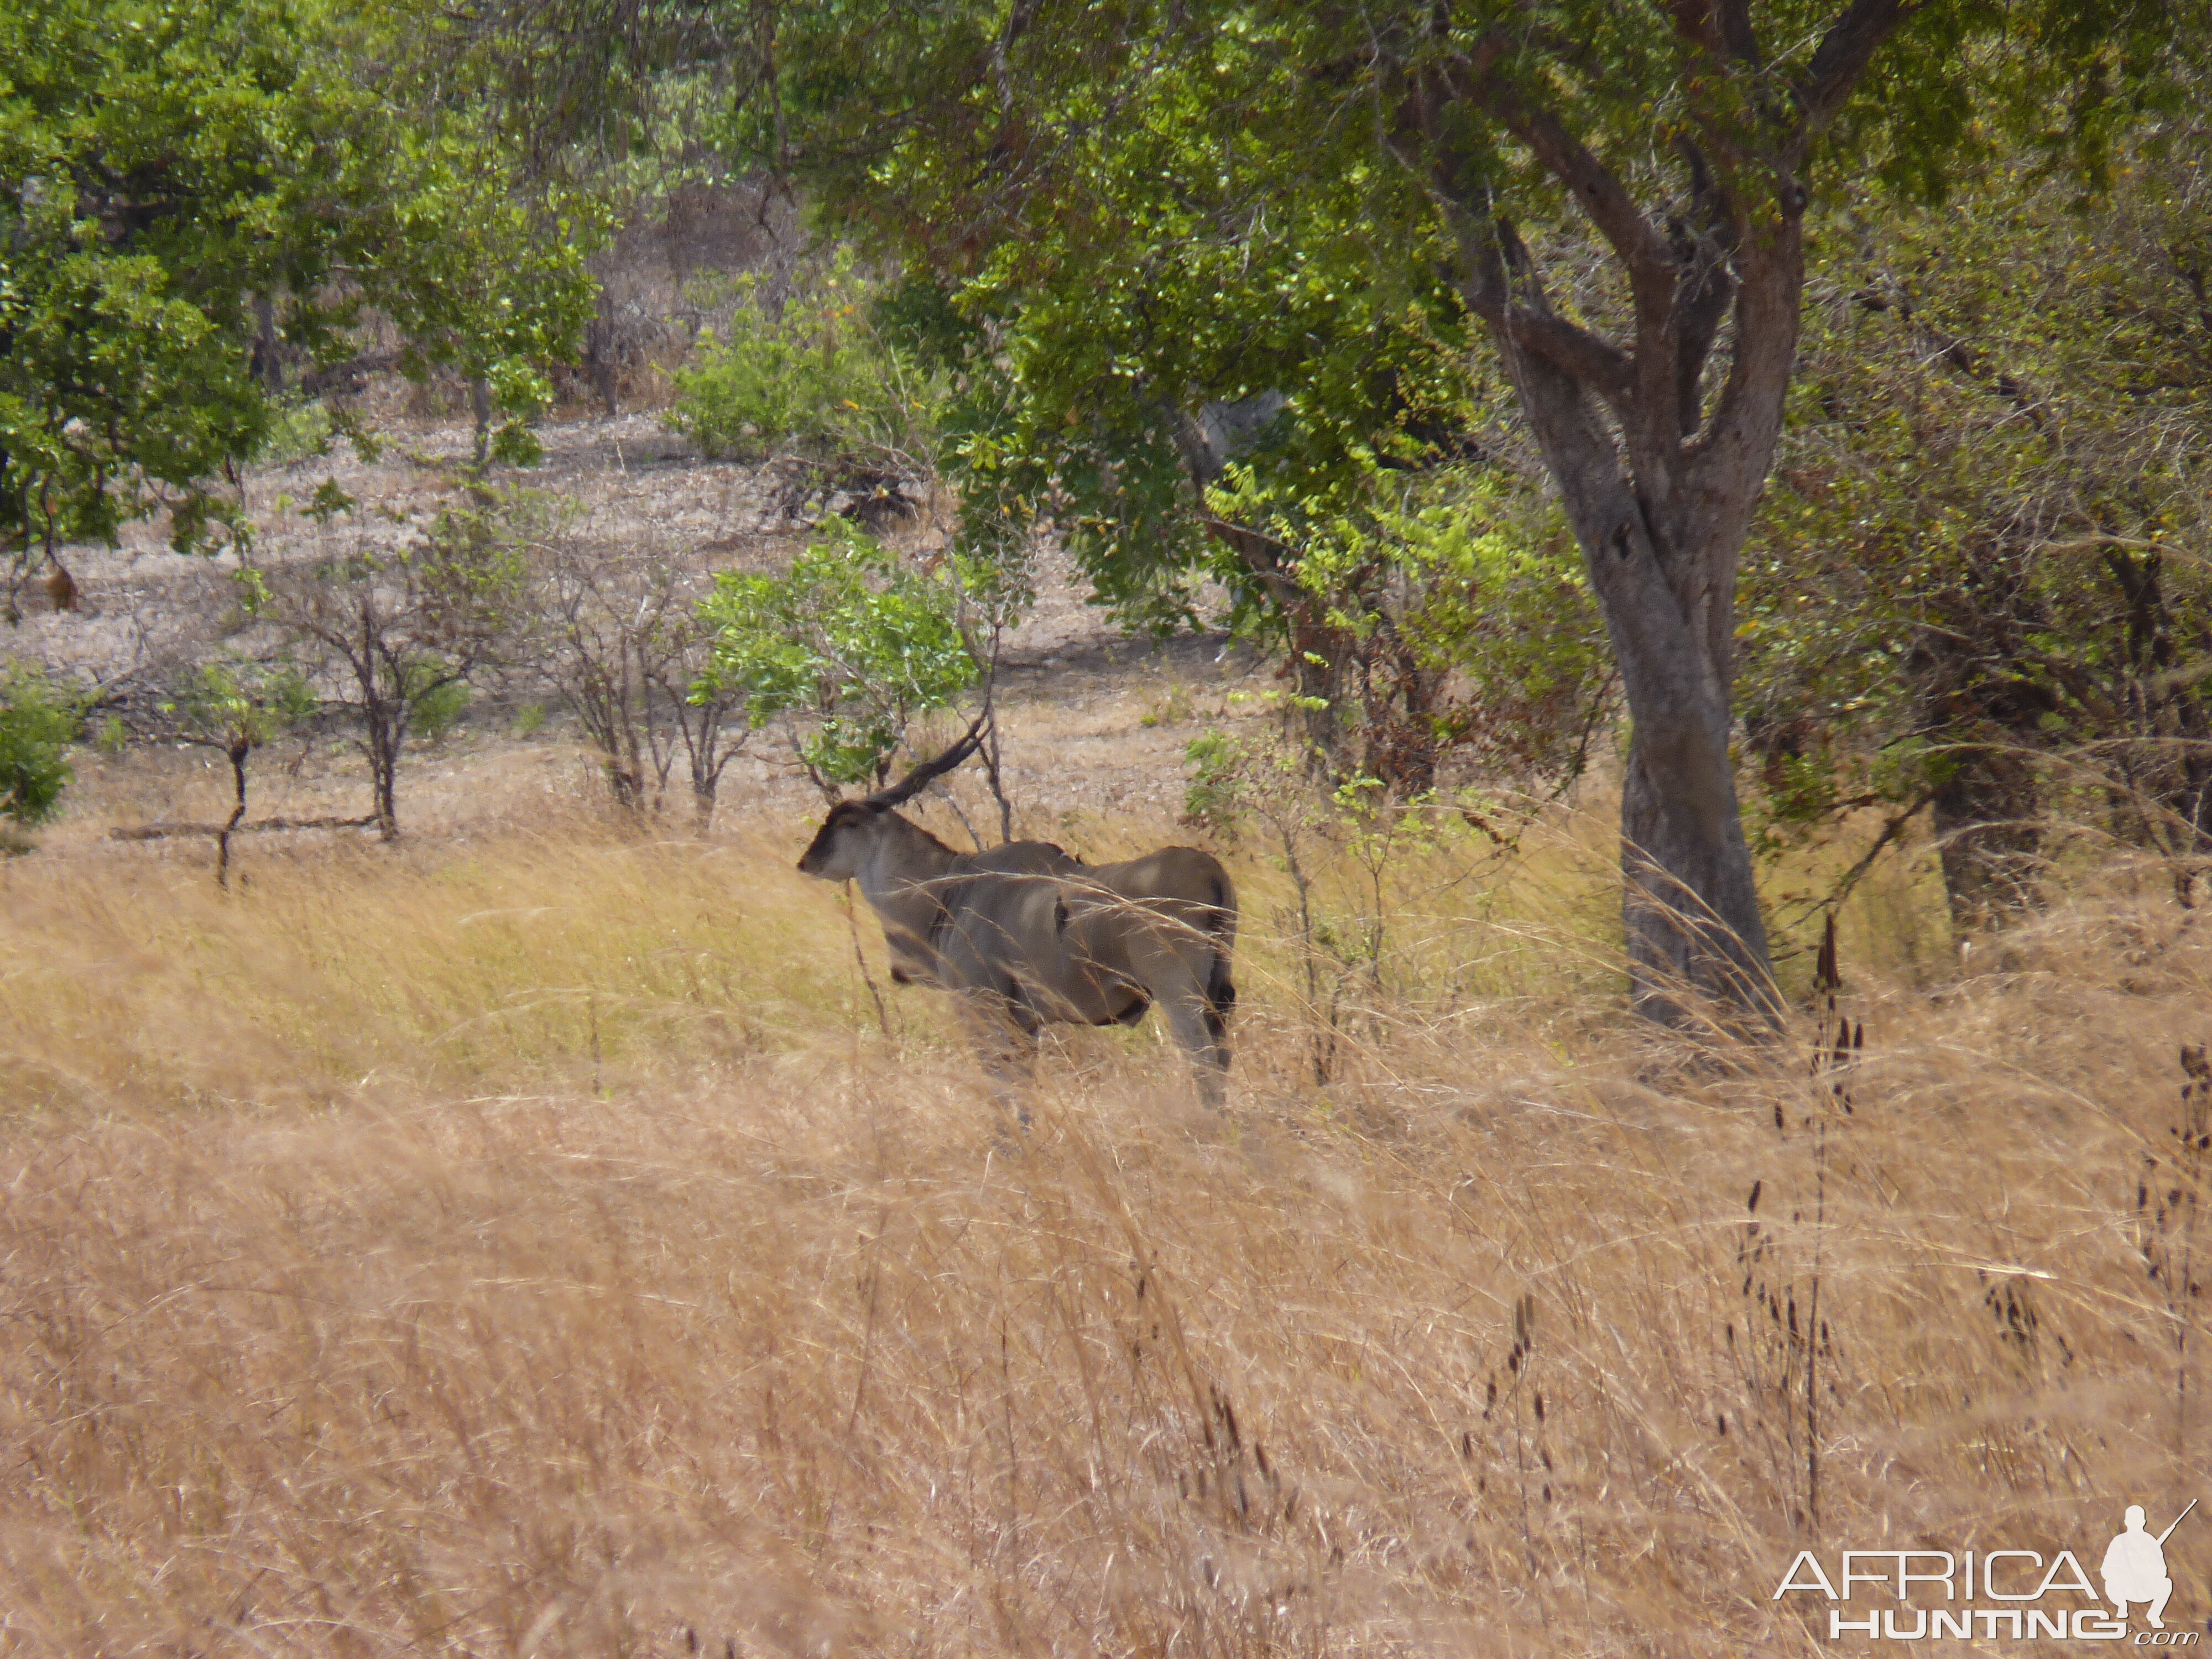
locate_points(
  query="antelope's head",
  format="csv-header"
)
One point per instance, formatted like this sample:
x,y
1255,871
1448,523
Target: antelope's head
x,y
849,835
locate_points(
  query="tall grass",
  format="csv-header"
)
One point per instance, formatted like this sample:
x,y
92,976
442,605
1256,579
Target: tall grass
x,y
357,1303
573,953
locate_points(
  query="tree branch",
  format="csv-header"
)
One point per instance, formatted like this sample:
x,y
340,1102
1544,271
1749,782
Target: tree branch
x,y
1706,288
1595,362
1732,455
1722,29
1842,57
1263,555
1602,196
1644,388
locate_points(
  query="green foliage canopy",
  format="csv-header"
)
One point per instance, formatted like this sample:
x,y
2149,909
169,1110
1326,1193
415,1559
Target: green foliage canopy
x,y
1140,207
1205,276
182,183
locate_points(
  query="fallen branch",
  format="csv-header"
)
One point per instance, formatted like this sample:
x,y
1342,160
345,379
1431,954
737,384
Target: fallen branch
x,y
163,831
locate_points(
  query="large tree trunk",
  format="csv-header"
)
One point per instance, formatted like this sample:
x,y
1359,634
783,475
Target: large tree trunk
x,y
2173,766
1987,716
1689,906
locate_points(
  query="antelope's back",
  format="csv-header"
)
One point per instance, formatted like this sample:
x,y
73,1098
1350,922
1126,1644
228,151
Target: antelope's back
x,y
1021,858
1186,887
1185,875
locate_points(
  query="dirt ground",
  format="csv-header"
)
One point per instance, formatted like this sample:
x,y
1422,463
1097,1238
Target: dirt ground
x,y
1095,723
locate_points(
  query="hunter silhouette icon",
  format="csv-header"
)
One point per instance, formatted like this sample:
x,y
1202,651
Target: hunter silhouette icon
x,y
2135,1567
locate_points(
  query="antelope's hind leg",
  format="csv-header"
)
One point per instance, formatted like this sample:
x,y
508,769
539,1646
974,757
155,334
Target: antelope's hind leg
x,y
1203,1034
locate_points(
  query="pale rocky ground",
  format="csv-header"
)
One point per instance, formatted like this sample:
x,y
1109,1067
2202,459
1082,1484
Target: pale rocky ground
x,y
1095,723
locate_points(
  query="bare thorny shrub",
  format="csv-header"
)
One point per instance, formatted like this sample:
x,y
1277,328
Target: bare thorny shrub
x,y
788,1352
627,652
392,635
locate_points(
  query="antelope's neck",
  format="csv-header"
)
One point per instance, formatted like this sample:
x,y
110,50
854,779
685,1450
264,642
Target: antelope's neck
x,y
904,876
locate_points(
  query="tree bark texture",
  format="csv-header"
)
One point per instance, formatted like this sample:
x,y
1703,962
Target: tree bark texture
x,y
387,730
2172,777
237,752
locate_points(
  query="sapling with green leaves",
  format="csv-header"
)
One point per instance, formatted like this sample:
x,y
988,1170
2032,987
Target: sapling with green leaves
x,y
235,705
847,650
1320,831
399,633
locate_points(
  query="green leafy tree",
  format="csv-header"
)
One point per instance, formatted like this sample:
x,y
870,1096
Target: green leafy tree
x,y
1616,197
1113,395
849,647
188,190
1995,463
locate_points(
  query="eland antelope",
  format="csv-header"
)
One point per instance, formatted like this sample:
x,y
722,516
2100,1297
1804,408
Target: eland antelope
x,y
1027,935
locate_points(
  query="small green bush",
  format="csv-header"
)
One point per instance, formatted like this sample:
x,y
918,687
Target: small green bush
x,y
234,702
436,708
818,379
36,725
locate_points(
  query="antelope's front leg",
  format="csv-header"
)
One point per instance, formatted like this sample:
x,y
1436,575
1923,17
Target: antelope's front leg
x,y
1006,1036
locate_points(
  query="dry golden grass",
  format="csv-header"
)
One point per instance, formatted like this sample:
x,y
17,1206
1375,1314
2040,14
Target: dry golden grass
x,y
533,1246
